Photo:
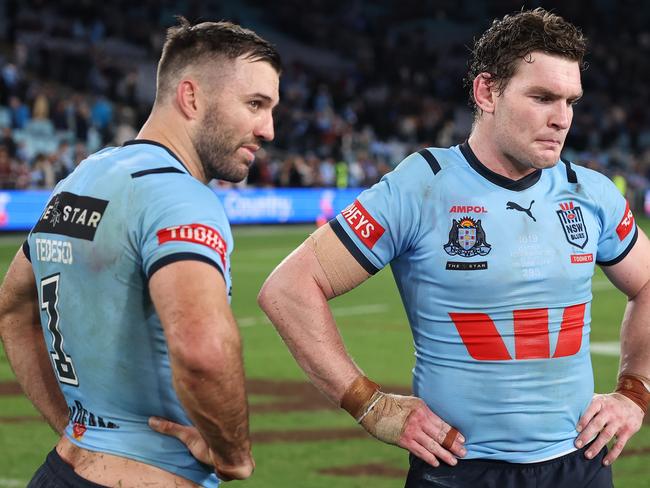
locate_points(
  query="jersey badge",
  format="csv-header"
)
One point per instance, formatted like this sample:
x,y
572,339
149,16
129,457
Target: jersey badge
x,y
366,228
197,234
573,224
72,215
467,238
626,224
78,430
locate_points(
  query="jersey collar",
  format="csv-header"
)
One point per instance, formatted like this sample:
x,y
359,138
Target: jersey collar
x,y
155,143
500,180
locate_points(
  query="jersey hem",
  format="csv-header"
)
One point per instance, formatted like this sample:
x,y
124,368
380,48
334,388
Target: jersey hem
x,y
170,468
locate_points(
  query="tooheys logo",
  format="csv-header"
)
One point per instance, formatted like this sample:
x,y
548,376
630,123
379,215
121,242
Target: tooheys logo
x,y
626,224
198,234
361,222
72,215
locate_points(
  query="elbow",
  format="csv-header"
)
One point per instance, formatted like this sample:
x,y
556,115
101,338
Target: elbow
x,y
268,293
202,357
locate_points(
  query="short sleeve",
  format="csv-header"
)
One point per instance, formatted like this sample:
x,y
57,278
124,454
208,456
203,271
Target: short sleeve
x,y
619,230
383,222
180,219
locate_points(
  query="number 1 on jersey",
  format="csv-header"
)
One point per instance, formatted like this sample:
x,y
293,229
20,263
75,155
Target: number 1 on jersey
x,y
49,300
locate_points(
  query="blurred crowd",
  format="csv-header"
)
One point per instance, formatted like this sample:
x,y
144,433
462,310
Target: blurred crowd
x,y
71,81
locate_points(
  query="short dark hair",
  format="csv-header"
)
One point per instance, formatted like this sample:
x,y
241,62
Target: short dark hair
x,y
515,37
188,44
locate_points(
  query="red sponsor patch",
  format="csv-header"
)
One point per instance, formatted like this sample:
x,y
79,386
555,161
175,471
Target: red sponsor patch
x,y
626,224
464,209
361,222
582,258
78,430
198,234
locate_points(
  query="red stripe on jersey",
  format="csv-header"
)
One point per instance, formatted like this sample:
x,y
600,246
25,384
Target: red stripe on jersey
x,y
626,224
480,336
531,333
570,338
198,234
362,224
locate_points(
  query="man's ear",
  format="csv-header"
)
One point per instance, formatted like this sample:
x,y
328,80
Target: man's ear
x,y
187,98
484,92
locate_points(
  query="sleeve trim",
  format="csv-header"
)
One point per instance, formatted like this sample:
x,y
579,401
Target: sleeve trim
x,y
349,244
431,159
182,256
571,175
621,256
156,171
26,251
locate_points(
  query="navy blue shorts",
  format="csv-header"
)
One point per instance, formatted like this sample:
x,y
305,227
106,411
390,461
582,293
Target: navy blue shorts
x,y
570,471
56,473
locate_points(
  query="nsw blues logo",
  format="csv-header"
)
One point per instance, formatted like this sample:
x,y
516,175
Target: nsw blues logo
x,y
467,238
573,224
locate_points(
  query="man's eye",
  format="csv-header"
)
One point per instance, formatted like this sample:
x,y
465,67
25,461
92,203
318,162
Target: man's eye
x,y
254,104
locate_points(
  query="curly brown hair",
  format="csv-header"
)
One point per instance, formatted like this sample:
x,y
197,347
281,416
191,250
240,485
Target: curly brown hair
x,y
515,37
188,44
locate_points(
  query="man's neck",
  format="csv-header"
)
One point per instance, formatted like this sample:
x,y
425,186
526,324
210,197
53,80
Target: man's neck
x,y
176,139
486,151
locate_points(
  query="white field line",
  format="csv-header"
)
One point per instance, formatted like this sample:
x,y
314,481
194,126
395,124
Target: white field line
x,y
606,348
337,311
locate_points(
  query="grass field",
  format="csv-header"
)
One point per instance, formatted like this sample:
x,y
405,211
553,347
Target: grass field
x,y
301,441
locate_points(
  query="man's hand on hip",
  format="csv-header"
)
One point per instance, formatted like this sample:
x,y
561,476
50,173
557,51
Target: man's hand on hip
x,y
608,416
406,421
197,446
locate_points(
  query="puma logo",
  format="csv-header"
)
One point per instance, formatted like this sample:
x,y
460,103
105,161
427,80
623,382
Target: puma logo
x,y
516,206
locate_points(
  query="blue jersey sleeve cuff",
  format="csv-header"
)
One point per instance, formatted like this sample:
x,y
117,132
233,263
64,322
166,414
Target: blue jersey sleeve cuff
x,y
351,246
182,256
621,256
26,251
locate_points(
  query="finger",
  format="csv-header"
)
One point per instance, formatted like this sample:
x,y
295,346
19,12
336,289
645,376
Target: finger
x,y
617,448
423,453
440,434
591,430
170,428
434,447
601,441
594,407
450,438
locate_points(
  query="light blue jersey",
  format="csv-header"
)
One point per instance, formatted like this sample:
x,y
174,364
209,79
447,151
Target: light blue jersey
x,y
495,276
121,215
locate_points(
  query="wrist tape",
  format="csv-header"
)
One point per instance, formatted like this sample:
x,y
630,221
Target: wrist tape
x,y
634,387
356,398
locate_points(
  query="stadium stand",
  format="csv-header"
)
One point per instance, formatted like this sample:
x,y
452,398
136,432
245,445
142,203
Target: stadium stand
x,y
365,83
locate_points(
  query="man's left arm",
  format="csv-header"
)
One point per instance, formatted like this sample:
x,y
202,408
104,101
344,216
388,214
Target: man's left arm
x,y
620,414
22,338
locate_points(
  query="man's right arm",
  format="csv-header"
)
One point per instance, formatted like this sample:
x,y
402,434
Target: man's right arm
x,y
295,298
206,361
22,337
